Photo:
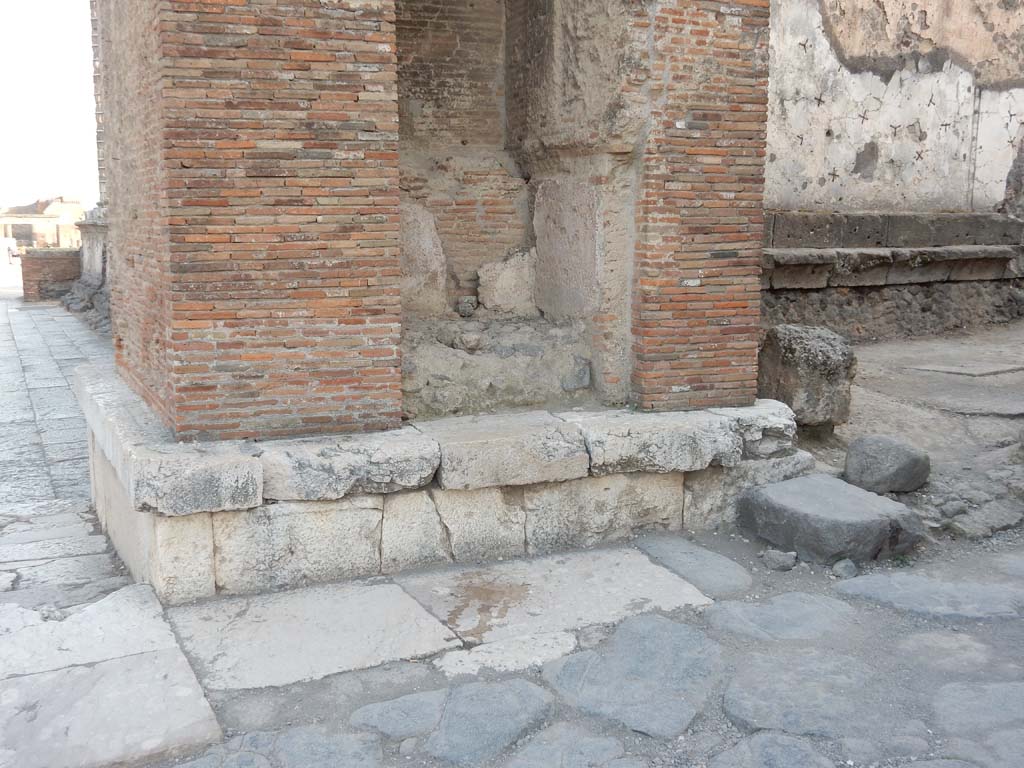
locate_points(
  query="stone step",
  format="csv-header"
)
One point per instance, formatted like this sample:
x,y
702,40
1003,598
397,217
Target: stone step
x,y
824,519
822,267
823,229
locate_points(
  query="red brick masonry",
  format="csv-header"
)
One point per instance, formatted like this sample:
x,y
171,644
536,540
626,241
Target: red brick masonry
x,y
48,273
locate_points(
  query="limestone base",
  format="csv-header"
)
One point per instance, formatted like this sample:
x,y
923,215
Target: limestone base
x,y
198,520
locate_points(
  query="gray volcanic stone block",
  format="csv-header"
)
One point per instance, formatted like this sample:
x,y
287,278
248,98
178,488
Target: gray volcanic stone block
x,y
936,598
481,719
713,574
772,750
825,520
508,449
653,675
568,746
885,465
326,469
811,370
306,746
790,616
402,718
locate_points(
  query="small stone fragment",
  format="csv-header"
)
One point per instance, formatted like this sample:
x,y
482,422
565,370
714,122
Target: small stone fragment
x,y
845,569
885,465
466,306
775,560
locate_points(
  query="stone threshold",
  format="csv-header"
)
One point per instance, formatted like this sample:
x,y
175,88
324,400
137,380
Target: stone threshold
x,y
236,517
817,268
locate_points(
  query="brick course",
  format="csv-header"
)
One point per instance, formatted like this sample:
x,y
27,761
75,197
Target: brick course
x,y
254,223
699,219
49,273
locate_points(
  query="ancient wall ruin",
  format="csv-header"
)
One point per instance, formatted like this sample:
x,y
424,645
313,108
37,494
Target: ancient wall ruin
x,y
896,105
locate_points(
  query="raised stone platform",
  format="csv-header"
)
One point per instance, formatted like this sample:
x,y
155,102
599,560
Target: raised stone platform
x,y
234,517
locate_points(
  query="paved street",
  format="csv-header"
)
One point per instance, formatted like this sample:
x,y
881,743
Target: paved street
x,y
664,652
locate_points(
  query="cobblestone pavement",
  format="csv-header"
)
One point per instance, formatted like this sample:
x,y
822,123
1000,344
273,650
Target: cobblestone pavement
x,y
660,652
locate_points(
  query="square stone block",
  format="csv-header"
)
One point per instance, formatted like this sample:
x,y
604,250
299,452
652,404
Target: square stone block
x,y
507,449
413,534
295,543
627,441
582,513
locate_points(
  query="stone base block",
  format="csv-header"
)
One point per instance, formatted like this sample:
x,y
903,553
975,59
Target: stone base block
x,y
467,490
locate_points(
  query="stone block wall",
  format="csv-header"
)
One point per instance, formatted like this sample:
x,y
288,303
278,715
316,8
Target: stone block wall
x,y
254,211
700,221
49,273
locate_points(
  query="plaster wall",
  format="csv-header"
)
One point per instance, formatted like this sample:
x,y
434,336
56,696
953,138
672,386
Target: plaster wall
x,y
894,105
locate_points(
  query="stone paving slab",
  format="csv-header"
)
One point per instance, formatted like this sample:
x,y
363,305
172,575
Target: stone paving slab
x,y
939,598
549,594
301,747
251,642
713,574
127,622
123,709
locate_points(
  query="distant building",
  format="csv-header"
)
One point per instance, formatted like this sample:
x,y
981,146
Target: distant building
x,y
43,224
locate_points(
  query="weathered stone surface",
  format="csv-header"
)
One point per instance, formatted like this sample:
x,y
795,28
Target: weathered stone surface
x,y
767,428
507,286
712,493
250,642
70,546
772,750
790,616
295,543
413,715
179,479
66,571
512,655
128,622
811,370
566,225
824,519
181,557
934,597
424,267
481,719
884,465
971,709
774,560
512,449
584,512
713,574
994,516
549,594
115,711
568,746
809,693
325,469
845,569
306,746
413,535
482,525
653,675
626,441
1012,564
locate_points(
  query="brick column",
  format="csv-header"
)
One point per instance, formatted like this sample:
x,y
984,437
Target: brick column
x,y
699,220
253,195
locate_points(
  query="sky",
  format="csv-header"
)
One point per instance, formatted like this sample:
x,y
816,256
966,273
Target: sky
x,y
47,111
